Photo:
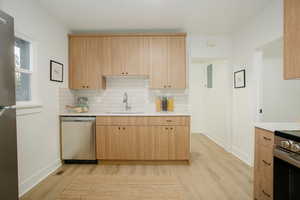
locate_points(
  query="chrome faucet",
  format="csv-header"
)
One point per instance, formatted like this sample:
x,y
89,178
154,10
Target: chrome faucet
x,y
125,100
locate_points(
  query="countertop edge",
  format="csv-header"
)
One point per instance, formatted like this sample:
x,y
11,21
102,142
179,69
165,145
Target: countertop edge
x,y
125,115
272,127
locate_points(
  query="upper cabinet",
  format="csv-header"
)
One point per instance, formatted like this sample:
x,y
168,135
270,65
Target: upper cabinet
x,y
177,63
127,56
87,56
291,39
161,57
168,66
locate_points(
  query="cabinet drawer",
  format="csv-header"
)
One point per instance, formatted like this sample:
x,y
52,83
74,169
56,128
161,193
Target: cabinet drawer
x,y
266,173
265,138
121,121
168,121
266,157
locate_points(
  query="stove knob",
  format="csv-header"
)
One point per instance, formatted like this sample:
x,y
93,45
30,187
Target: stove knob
x,y
285,144
295,147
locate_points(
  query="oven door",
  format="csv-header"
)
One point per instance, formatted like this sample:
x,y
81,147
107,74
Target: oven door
x,y
286,175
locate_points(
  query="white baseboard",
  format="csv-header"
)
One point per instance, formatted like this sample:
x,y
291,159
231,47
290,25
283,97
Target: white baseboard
x,y
243,156
36,178
235,151
217,141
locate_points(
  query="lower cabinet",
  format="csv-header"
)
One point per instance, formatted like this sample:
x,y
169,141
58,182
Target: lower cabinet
x,y
143,142
263,165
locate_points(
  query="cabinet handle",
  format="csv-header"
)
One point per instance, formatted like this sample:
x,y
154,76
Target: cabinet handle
x,y
167,128
266,138
87,86
126,73
124,128
83,86
266,194
169,120
165,86
171,128
170,86
119,128
269,164
122,73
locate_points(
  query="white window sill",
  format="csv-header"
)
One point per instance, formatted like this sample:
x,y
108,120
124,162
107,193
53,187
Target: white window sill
x,y
28,108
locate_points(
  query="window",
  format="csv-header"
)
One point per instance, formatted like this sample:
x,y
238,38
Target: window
x,y
23,70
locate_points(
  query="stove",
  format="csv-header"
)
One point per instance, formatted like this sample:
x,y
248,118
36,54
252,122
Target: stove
x,y
287,165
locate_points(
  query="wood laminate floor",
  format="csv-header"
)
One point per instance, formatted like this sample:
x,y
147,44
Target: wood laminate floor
x,y
213,174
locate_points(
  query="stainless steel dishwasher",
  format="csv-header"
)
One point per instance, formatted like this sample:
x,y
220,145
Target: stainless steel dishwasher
x,y
78,139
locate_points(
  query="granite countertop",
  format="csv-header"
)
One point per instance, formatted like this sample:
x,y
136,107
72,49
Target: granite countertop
x,y
277,126
124,114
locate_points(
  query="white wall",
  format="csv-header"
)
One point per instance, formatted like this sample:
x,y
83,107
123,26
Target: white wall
x,y
207,111
211,107
265,27
38,133
280,98
210,47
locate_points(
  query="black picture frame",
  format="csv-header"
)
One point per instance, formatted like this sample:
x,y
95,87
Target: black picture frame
x,y
52,78
243,84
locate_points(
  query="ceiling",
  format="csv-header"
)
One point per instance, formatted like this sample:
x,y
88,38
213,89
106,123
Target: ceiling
x,y
201,16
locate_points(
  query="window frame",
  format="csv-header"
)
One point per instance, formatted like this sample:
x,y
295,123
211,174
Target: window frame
x,y
33,102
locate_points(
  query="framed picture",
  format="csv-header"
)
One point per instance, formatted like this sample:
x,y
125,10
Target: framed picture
x,y
56,71
240,79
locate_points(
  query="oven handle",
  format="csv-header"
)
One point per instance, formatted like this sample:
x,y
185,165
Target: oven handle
x,y
287,157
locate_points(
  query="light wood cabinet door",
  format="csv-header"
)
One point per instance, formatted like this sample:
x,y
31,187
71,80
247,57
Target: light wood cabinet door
x,y
291,39
263,165
146,143
161,135
177,63
77,60
105,141
94,63
134,52
118,56
159,63
129,146
129,55
106,64
179,143
87,60
117,143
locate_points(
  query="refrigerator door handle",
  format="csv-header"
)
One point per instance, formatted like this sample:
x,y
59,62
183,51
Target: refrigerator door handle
x,y
5,108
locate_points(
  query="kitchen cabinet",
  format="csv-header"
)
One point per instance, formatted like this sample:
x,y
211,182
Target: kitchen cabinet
x,y
291,39
168,66
179,143
159,64
140,140
87,57
77,69
116,143
161,57
177,63
161,135
129,56
146,143
263,165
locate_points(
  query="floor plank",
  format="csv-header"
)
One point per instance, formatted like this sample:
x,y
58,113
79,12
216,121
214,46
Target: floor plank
x,y
212,174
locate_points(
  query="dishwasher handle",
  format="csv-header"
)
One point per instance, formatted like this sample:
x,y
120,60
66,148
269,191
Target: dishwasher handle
x,y
78,119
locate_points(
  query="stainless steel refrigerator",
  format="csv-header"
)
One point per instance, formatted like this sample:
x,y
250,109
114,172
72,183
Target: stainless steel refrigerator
x,y
8,132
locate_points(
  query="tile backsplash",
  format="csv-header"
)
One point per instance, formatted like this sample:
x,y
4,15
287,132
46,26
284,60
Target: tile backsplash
x,y
140,97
